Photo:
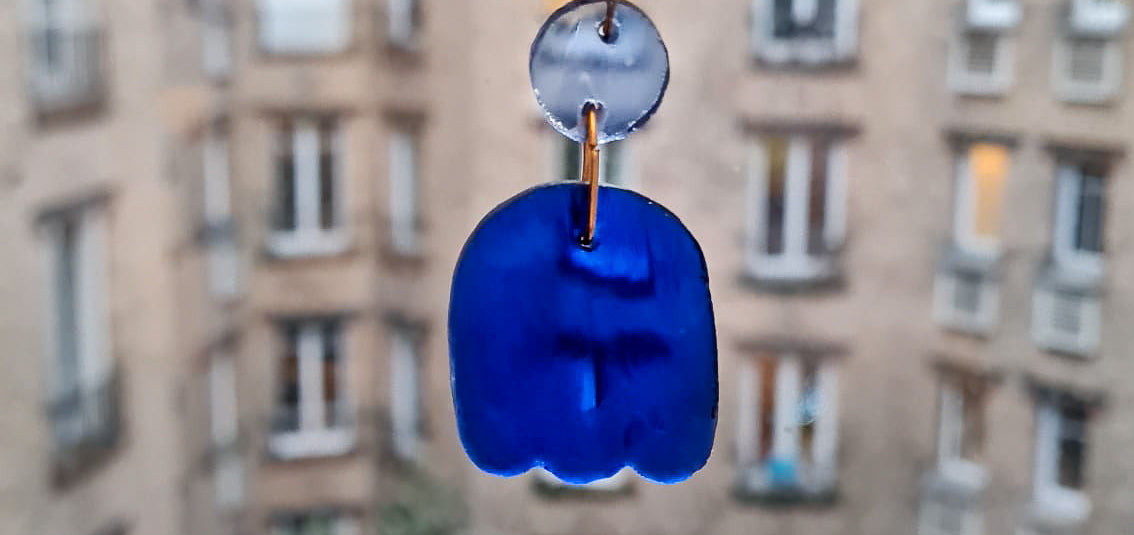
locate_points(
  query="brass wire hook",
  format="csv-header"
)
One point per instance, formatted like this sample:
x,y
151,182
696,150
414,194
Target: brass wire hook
x,y
607,28
591,170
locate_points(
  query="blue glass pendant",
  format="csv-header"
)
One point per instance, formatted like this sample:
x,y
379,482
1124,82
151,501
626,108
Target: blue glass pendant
x,y
578,359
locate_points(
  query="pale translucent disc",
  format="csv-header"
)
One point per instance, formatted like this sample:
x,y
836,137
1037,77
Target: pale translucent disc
x,y
571,64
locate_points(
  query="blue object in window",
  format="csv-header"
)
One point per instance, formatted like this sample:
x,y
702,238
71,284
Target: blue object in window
x,y
583,360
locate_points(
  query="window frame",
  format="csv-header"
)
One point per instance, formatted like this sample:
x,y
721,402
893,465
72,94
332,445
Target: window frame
x,y
966,203
305,142
404,185
314,436
224,431
963,81
406,400
1048,494
403,24
796,263
222,262
841,47
1069,178
819,475
1067,89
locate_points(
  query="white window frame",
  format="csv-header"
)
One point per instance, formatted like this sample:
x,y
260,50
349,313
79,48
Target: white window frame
x,y
405,393
404,192
316,437
950,437
841,47
823,473
1069,183
76,74
216,39
228,470
92,342
795,263
308,239
1049,497
964,210
1068,89
304,26
964,82
402,24
1044,307
945,312
222,261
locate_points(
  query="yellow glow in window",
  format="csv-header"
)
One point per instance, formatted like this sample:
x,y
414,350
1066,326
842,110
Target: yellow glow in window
x,y
988,167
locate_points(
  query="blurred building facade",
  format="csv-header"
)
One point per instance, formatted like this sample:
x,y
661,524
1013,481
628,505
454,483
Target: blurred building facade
x,y
230,227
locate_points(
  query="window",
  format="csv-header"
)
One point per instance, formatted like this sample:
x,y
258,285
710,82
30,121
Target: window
x,y
228,471
83,404
308,167
809,32
1060,458
311,416
960,433
304,26
788,429
1088,57
1077,243
941,518
404,186
403,23
65,46
982,57
222,262
982,62
216,39
614,162
797,207
982,170
1066,321
405,392
315,523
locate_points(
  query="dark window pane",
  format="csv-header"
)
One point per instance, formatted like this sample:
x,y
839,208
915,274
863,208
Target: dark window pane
x,y
287,413
66,290
817,198
285,206
1072,446
331,378
767,395
809,406
982,51
326,191
776,152
1089,224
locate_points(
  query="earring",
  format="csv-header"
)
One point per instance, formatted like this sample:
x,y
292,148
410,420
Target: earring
x,y
581,330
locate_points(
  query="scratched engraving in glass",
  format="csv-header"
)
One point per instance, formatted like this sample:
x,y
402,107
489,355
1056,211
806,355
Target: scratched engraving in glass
x,y
572,64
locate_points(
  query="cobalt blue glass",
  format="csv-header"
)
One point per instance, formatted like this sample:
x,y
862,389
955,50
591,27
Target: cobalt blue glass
x,y
583,359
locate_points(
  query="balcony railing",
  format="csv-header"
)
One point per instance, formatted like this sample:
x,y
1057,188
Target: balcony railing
x,y
85,424
65,68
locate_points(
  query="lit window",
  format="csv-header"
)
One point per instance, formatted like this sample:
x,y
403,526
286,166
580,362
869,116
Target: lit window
x,y
787,435
304,26
804,31
311,415
982,170
308,217
228,473
1060,458
405,392
83,408
614,162
403,23
404,185
797,215
65,46
220,243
